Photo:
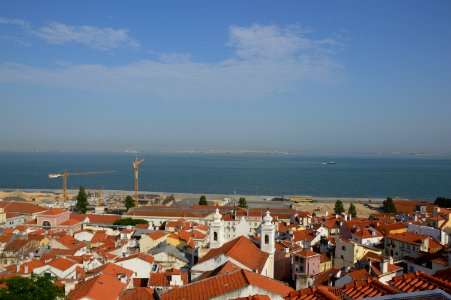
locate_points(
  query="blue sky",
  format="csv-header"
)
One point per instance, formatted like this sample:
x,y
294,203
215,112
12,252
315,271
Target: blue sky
x,y
309,76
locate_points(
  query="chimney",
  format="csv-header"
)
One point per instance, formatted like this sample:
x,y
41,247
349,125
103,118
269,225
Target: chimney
x,y
425,244
17,268
390,260
326,213
346,217
436,211
373,232
349,217
384,266
26,270
415,217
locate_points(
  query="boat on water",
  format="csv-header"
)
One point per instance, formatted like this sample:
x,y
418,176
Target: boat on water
x,y
329,163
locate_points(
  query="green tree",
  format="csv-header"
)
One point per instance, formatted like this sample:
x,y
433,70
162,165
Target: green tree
x,y
443,202
352,211
339,208
203,200
130,221
34,287
129,202
389,206
82,201
243,203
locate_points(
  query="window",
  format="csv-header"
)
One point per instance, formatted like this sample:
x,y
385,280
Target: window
x,y
215,236
46,225
343,248
266,239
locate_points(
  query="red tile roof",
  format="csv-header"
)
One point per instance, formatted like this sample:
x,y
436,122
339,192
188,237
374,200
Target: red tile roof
x,y
16,245
415,239
112,269
62,263
53,212
242,250
444,275
21,207
142,256
255,297
96,219
164,278
419,281
226,283
70,243
316,293
367,288
140,293
31,265
100,287
156,234
306,253
70,222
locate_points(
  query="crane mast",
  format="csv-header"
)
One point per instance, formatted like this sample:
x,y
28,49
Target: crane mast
x,y
136,164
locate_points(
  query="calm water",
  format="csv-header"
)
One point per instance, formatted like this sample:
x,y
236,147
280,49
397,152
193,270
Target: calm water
x,y
412,177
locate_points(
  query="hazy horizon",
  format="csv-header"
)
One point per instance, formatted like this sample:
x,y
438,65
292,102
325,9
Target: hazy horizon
x,y
329,77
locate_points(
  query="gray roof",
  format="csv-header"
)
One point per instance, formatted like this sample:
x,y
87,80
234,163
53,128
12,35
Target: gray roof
x,y
171,250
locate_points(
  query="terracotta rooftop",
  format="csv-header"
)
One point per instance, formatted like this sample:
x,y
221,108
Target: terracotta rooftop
x,y
142,256
112,269
242,250
96,219
140,293
70,222
226,283
100,287
367,288
306,253
53,212
316,293
16,245
444,275
419,281
157,234
21,207
164,278
62,263
415,239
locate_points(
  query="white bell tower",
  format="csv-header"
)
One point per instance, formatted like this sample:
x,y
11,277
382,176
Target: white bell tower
x,y
267,241
216,231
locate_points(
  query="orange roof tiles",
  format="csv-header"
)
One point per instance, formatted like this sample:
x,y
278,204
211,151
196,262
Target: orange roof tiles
x,y
70,243
316,293
62,263
444,275
21,207
70,222
140,293
242,250
16,245
361,274
112,269
419,281
96,219
226,283
367,233
164,278
366,289
415,238
156,234
306,253
142,256
53,212
100,287
30,266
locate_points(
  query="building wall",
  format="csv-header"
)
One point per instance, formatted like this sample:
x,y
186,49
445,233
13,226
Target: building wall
x,y
140,268
429,231
146,243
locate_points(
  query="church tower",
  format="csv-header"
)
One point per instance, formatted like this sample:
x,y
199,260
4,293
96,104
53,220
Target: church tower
x,y
216,231
267,241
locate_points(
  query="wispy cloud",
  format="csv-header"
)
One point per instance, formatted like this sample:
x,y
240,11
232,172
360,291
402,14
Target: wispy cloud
x,y
95,37
267,60
101,38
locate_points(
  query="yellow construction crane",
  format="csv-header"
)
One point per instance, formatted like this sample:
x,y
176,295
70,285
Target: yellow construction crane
x,y
65,174
136,164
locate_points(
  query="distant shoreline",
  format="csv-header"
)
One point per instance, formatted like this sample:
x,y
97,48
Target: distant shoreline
x,y
210,196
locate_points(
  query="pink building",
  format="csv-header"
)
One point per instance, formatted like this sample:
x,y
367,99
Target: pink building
x,y
57,220
306,264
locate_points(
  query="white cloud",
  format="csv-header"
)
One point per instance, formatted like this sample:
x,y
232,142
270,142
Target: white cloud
x,y
102,38
95,37
267,60
16,22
